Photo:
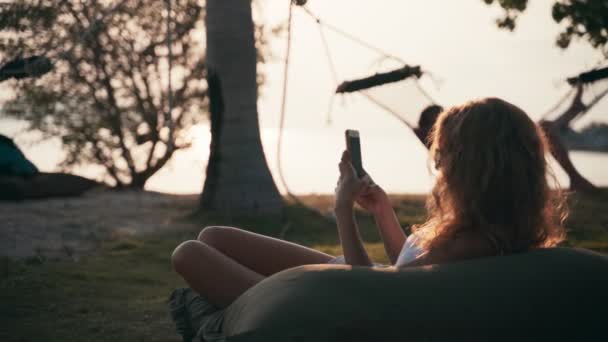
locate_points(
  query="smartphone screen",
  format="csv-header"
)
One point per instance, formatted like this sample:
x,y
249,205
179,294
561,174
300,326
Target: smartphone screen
x,y
353,145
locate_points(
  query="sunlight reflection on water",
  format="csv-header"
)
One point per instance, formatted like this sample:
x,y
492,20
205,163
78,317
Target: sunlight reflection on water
x,y
396,160
310,161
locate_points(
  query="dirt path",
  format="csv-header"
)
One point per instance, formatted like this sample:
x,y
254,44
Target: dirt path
x,y
71,227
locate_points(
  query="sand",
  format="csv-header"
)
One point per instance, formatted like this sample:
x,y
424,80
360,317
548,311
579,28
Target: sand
x,y
76,226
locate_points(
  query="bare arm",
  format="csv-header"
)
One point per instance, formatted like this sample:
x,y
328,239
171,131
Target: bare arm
x,y
390,230
465,247
348,189
374,199
354,252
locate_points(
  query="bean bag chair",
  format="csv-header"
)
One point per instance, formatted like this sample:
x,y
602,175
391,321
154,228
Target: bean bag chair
x,y
557,294
12,161
21,180
44,185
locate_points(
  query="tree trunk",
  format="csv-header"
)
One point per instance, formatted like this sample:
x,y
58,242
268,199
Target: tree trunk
x,y
238,180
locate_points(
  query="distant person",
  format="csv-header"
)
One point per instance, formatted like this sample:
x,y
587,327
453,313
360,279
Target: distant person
x,y
491,197
427,119
552,129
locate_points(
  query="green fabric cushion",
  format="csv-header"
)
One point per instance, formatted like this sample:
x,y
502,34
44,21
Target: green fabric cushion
x,y
13,162
555,294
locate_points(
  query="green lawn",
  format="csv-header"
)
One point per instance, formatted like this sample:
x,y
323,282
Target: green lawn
x,y
120,293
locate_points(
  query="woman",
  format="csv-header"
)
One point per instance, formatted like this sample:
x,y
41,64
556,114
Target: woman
x,y
491,197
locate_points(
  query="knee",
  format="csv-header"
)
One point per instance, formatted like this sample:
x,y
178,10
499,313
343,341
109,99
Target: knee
x,y
184,254
214,235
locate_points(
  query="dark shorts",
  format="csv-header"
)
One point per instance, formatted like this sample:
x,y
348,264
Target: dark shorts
x,y
195,318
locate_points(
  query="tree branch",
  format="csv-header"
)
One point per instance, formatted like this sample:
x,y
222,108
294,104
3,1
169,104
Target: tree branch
x,y
379,79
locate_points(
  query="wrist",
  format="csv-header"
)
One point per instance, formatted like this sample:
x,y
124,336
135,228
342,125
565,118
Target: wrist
x,y
384,204
344,207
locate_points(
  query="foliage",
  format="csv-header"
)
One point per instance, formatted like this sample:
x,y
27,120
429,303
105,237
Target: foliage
x,y
581,19
107,97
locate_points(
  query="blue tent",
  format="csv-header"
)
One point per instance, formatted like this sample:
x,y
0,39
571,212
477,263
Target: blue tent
x,y
12,161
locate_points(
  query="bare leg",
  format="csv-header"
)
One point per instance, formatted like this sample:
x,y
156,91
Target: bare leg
x,y
228,261
212,274
263,254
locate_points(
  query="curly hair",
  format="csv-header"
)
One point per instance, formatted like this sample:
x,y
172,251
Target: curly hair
x,y
492,180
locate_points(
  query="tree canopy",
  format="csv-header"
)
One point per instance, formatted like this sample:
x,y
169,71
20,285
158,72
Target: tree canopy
x,y
107,95
581,19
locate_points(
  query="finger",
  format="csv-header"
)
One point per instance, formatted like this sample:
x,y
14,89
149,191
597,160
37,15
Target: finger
x,y
345,156
365,191
347,171
352,169
367,180
342,167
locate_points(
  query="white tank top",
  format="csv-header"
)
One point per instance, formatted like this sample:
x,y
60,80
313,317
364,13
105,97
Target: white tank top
x,y
409,252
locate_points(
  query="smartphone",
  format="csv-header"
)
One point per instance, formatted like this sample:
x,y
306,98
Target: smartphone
x,y
353,146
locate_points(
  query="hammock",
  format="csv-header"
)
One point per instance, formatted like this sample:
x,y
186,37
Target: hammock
x,y
589,76
400,94
593,137
379,79
396,91
20,68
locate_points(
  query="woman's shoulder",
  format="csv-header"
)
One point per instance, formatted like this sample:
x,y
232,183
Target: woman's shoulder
x,y
466,245
411,250
470,244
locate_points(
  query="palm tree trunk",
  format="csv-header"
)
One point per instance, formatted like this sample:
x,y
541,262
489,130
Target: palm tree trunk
x,y
238,179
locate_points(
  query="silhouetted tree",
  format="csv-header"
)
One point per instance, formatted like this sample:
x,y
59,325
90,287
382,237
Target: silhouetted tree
x,y
238,179
586,19
107,97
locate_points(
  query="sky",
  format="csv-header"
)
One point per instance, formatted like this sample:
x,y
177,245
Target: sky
x,y
457,41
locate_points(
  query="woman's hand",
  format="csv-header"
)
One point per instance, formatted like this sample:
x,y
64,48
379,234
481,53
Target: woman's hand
x,y
349,185
372,197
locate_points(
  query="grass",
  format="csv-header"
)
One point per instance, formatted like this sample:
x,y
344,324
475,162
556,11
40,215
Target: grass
x,y
120,293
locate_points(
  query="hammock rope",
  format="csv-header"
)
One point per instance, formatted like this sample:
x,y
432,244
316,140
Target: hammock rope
x,y
284,105
332,69
384,55
587,79
169,115
322,25
559,103
351,36
387,109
